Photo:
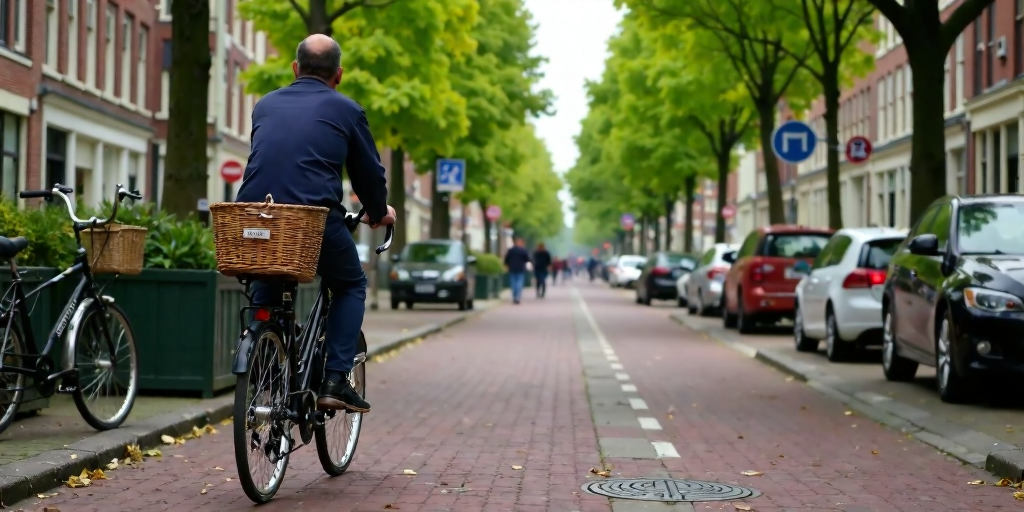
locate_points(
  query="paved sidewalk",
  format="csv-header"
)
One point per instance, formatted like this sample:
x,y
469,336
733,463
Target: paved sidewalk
x,y
60,426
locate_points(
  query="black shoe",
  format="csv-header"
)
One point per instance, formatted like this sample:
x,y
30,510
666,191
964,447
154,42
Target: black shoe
x,y
336,393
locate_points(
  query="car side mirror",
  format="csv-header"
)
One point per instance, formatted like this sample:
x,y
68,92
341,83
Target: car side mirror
x,y
802,267
729,257
394,258
925,245
471,260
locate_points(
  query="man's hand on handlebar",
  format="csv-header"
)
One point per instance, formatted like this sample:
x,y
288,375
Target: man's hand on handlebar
x,y
387,220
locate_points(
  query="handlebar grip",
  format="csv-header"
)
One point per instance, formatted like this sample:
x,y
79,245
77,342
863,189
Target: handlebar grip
x,y
64,188
32,194
389,235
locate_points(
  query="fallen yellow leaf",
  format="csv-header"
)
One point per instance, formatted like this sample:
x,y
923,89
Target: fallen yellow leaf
x,y
874,452
209,429
96,474
218,468
75,482
408,472
44,495
203,491
976,482
133,453
155,452
741,507
751,473
1003,482
227,421
113,464
848,413
167,439
74,456
1019,495
517,467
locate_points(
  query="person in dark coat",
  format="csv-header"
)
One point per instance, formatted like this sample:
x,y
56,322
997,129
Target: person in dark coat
x,y
541,265
517,259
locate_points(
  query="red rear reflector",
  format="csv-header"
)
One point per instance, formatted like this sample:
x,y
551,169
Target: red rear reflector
x,y
864,278
757,273
262,315
660,271
715,271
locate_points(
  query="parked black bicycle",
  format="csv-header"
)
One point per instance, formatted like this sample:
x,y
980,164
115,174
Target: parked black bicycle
x,y
278,363
99,360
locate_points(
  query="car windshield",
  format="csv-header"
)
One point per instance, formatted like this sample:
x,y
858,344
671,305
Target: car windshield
x,y
795,245
631,262
432,253
676,260
878,253
991,228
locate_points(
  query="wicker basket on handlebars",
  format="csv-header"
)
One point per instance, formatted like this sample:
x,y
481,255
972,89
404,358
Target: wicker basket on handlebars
x,y
115,248
268,239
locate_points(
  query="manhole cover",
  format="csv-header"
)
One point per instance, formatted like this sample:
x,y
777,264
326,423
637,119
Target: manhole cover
x,y
663,489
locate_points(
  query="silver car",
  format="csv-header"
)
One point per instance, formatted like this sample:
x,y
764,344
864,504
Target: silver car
x,y
703,289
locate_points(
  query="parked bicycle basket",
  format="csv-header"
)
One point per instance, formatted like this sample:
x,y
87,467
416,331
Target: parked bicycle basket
x,y
268,239
115,248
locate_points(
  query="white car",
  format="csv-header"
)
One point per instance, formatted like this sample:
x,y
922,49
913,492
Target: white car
x,y
701,292
840,299
626,270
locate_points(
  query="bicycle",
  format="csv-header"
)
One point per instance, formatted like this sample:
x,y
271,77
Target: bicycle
x,y
287,360
87,313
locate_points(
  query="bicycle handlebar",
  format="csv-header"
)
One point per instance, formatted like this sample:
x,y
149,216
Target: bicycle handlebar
x,y
352,220
62,191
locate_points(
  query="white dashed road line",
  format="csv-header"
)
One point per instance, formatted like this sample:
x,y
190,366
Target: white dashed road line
x,y
629,388
664,449
622,376
616,366
638,404
649,423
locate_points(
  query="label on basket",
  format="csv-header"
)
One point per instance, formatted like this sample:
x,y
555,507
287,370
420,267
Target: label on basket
x,y
260,233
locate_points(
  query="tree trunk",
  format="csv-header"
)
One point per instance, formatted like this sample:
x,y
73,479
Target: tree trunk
x,y
776,207
487,229
643,235
657,233
688,187
319,21
440,213
830,87
723,192
670,205
185,173
928,141
397,198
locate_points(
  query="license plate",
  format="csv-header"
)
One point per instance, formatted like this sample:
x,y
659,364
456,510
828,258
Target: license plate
x,y
792,273
426,288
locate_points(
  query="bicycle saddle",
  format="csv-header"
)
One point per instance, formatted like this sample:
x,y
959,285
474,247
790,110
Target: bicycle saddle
x,y
10,247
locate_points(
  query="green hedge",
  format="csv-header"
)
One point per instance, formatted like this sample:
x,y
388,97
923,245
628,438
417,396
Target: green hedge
x,y
171,243
488,264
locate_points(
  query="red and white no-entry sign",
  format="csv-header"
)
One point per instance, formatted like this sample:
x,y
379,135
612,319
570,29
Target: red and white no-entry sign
x,y
858,149
728,211
231,171
493,213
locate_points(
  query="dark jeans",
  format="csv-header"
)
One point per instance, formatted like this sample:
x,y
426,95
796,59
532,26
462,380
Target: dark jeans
x,y
542,281
340,270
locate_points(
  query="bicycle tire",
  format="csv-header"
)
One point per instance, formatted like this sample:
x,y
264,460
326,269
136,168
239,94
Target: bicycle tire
x,y
8,413
88,414
264,335
353,420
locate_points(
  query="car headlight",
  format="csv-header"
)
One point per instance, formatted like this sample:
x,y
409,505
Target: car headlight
x,y
992,301
454,274
399,274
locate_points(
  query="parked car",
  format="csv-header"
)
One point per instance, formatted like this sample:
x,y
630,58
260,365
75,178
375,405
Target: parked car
x,y
840,300
625,270
658,276
681,284
434,271
701,290
760,287
954,296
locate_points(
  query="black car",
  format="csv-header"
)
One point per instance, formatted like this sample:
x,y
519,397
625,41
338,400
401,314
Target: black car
x,y
659,274
954,296
434,271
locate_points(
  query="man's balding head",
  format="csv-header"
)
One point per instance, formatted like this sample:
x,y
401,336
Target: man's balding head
x,y
318,56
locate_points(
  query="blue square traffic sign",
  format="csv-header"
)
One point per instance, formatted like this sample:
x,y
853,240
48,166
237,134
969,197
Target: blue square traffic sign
x,y
794,141
450,175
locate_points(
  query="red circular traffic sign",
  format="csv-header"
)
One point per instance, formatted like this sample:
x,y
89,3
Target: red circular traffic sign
x,y
728,211
231,171
493,213
858,149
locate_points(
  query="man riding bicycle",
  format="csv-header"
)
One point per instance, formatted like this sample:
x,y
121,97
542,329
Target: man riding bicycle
x,y
302,136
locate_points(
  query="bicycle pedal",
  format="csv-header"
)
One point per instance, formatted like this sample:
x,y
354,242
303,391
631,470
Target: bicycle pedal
x,y
319,418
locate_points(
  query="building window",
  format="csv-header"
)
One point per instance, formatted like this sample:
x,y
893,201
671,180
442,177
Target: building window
x,y
1018,38
947,98
73,52
959,77
236,117
899,125
990,54
167,7
90,44
6,30
109,62
10,145
140,80
236,23
127,42
979,51
908,80
56,156
51,34
890,97
880,100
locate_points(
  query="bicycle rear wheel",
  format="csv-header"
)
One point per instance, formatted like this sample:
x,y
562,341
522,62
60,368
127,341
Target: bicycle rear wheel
x,y
336,441
261,443
11,351
106,392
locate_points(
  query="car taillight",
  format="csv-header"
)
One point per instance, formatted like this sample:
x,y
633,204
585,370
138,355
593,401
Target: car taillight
x,y
864,278
660,271
757,273
717,271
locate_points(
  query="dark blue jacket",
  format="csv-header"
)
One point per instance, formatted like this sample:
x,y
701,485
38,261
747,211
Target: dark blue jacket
x,y
516,258
302,136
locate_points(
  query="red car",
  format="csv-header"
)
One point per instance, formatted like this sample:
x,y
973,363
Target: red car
x,y
761,284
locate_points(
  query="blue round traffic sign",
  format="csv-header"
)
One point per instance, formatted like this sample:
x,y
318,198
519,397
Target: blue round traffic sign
x,y
794,141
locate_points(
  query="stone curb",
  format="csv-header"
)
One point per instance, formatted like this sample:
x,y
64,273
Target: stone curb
x,y
969,446
38,474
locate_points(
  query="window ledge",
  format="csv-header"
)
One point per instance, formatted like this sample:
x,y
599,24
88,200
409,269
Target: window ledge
x,y
128,105
111,98
50,72
16,57
74,83
145,112
160,116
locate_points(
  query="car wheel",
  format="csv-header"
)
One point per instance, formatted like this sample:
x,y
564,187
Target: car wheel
x,y
836,349
701,309
728,319
638,299
896,368
953,386
800,340
744,323
469,304
394,304
462,305
694,308
408,304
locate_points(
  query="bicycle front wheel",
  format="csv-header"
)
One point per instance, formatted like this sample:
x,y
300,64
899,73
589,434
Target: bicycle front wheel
x,y
11,384
261,441
336,441
107,382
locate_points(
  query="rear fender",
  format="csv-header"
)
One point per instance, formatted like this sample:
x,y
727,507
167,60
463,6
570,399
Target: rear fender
x,y
244,351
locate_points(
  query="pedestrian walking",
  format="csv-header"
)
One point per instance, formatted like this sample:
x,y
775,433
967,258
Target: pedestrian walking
x,y
541,264
567,269
517,261
556,268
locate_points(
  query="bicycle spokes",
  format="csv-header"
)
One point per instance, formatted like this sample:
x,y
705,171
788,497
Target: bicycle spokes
x,y
265,421
104,377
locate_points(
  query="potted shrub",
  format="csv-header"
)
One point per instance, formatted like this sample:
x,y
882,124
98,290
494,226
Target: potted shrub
x,y
488,274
